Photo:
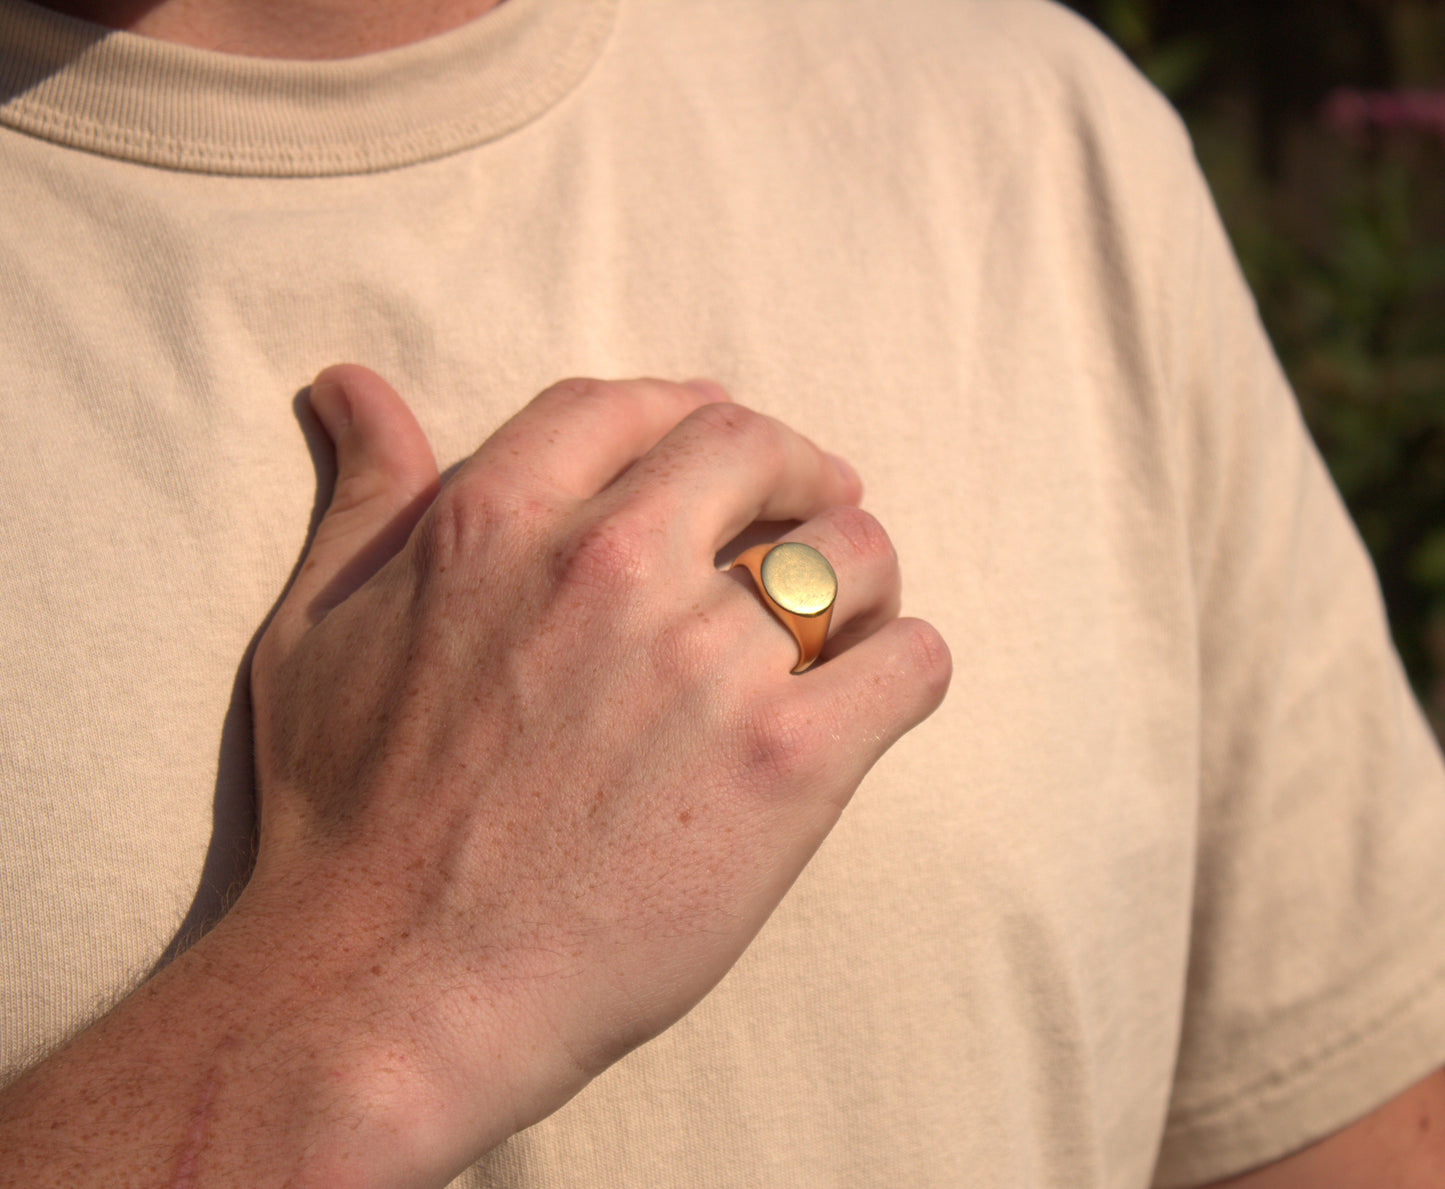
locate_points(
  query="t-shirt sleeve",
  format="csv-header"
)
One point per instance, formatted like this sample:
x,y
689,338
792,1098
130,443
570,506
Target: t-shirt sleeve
x,y
1316,979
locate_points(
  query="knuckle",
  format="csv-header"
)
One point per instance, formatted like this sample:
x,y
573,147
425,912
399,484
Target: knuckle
x,y
469,518
860,533
358,489
927,654
446,531
611,555
574,389
689,648
781,742
736,424
570,398
732,430
679,653
622,398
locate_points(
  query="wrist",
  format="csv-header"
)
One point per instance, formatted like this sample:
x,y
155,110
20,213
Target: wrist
x,y
316,1018
251,1060
389,1066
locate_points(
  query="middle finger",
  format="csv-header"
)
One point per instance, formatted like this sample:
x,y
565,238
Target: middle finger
x,y
724,467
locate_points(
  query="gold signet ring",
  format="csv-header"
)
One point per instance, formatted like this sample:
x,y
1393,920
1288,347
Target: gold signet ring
x,y
799,587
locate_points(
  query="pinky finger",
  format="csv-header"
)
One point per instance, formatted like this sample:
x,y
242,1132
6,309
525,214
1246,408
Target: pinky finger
x,y
879,689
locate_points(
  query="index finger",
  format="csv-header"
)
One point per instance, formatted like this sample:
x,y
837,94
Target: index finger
x,y
576,436
729,466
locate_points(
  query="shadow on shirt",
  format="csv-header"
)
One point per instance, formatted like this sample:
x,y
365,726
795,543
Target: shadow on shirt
x,y
232,850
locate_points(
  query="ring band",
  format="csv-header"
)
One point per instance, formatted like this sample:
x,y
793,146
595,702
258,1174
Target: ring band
x,y
799,587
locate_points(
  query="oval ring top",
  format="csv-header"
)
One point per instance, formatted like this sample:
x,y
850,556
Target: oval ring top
x,y
799,579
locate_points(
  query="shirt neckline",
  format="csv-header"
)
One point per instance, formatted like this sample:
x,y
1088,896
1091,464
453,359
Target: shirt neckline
x,y
175,107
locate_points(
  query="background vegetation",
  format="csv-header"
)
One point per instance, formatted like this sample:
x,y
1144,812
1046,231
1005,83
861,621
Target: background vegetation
x,y
1321,127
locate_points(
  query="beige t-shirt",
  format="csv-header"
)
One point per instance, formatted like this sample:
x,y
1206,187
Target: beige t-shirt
x,y
1154,897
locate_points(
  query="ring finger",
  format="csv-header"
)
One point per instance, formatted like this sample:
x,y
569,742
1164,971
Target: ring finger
x,y
862,557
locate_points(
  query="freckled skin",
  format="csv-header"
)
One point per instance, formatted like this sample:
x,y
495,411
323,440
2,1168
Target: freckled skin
x,y
569,779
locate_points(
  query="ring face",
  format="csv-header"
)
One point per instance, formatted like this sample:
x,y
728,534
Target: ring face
x,y
799,579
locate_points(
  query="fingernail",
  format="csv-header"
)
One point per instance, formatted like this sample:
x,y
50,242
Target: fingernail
x,y
329,402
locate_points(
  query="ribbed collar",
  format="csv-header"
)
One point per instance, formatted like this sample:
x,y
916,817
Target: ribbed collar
x,y
166,105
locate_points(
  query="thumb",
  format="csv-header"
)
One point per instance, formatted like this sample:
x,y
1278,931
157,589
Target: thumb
x,y
386,477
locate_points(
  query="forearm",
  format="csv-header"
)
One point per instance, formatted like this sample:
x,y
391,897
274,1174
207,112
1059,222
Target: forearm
x,y
247,1061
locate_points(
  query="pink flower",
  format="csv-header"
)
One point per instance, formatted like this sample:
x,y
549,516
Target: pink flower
x,y
1352,112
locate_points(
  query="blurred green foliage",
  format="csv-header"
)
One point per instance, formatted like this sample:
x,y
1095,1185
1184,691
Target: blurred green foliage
x,y
1321,128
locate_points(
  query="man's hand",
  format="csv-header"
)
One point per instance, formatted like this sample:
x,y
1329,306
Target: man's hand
x,y
548,761
532,772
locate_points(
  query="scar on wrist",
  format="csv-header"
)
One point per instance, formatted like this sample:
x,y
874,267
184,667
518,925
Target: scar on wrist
x,y
195,1140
